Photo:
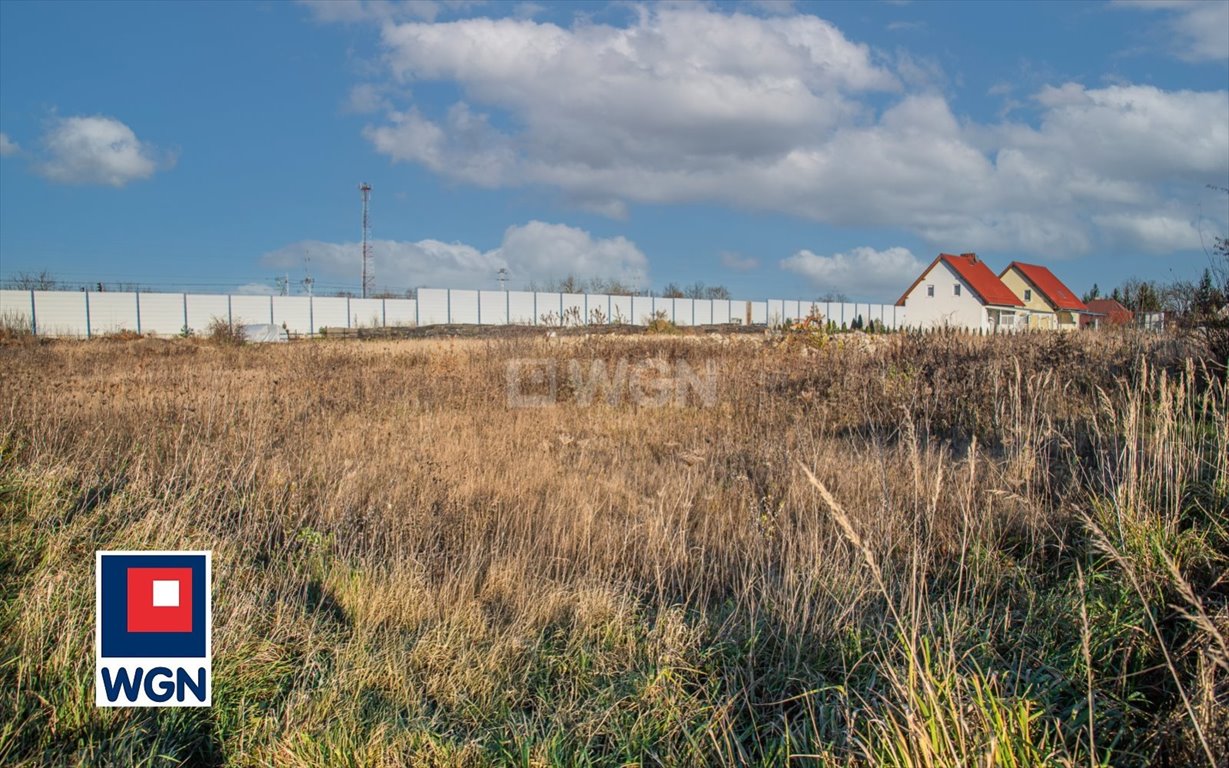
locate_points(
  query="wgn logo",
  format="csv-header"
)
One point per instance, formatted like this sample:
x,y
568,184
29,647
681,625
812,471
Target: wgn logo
x,y
152,640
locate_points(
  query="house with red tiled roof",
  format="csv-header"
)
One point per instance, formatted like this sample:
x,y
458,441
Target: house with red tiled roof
x,y
1108,312
962,292
1052,305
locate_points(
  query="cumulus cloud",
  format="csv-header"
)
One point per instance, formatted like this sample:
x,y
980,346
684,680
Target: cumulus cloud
x,y
98,150
1156,233
1198,30
533,251
862,272
8,146
690,103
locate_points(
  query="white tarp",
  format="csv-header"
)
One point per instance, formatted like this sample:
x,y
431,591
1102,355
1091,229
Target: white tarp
x,y
264,333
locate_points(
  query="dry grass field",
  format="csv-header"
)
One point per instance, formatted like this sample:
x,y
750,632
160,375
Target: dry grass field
x,y
906,551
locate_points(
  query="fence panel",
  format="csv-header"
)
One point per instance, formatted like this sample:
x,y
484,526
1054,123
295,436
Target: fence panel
x,y
66,312
295,312
776,311
680,313
432,306
366,313
463,307
795,310
572,306
759,312
548,305
61,313
111,312
399,312
642,310
522,307
493,307
621,309
330,312
703,309
204,308
162,313
597,308
251,310
15,308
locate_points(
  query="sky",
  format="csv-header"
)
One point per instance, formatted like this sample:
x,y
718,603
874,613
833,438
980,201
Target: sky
x,y
788,150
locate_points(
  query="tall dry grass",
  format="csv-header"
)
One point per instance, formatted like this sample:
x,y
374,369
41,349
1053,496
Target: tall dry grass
x,y
915,551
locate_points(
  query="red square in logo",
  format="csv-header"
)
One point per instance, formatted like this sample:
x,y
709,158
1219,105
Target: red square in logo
x,y
159,599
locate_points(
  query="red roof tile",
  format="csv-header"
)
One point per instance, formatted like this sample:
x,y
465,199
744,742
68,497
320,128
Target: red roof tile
x,y
1115,313
1050,286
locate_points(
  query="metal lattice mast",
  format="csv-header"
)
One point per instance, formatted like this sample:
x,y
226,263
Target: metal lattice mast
x,y
368,275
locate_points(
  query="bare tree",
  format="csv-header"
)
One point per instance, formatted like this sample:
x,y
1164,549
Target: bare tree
x,y
672,291
28,281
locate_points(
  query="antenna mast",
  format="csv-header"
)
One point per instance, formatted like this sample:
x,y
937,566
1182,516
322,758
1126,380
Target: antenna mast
x,y
368,275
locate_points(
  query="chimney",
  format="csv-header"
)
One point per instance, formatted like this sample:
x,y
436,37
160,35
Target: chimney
x,y
972,257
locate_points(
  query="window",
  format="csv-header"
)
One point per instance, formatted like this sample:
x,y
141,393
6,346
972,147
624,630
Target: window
x,y
1028,295
930,291
956,289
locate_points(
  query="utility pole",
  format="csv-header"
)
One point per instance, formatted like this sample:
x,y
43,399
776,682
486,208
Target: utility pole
x,y
307,275
502,274
368,275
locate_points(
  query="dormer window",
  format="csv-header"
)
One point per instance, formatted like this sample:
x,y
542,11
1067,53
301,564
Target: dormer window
x,y
956,289
1028,295
930,291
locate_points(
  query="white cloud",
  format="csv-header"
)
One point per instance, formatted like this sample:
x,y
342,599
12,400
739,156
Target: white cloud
x,y
1158,233
771,7
684,89
366,98
98,150
255,289
8,146
1197,30
692,104
533,251
353,11
738,262
860,272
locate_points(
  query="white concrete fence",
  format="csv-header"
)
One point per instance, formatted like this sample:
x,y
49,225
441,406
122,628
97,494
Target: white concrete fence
x,y
90,313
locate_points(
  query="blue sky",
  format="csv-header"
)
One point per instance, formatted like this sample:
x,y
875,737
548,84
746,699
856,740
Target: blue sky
x,y
781,149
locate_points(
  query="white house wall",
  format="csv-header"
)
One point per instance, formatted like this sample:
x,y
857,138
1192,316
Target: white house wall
x,y
944,308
